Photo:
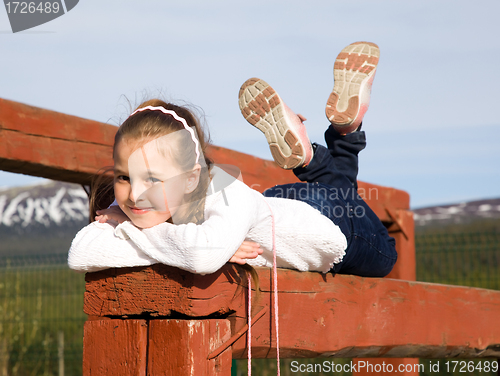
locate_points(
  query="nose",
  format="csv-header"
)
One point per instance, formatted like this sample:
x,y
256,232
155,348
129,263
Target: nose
x,y
136,190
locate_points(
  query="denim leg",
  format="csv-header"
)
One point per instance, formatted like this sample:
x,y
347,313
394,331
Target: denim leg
x,y
333,165
345,150
370,250
323,169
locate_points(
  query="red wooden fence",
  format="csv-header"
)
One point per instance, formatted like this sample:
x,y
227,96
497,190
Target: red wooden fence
x,y
160,320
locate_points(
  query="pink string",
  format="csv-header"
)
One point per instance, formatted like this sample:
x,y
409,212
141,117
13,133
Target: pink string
x,y
275,301
249,334
275,290
275,293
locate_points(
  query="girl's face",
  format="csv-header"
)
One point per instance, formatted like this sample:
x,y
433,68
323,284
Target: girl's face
x,y
149,186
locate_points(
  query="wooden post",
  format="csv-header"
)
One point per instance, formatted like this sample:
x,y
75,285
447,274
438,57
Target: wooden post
x,y
156,347
4,357
115,347
403,232
174,344
60,351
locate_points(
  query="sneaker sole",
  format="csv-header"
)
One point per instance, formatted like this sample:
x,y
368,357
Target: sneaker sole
x,y
262,107
354,68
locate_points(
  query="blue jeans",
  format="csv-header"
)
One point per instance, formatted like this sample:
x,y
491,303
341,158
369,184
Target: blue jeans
x,y
330,185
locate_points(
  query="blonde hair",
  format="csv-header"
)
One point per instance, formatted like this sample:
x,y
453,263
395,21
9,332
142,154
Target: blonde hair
x,y
148,125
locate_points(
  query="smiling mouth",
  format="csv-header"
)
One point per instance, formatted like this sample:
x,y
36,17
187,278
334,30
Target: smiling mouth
x,y
140,210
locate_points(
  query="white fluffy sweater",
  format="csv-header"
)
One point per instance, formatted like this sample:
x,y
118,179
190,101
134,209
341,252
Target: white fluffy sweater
x,y
305,239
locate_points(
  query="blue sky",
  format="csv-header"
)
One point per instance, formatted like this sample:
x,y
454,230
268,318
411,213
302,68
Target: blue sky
x,y
431,126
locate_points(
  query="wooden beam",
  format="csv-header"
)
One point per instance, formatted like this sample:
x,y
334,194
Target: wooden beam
x,y
402,229
321,315
62,147
52,145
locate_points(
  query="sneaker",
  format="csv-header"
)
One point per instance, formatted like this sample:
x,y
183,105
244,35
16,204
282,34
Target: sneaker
x,y
353,73
262,107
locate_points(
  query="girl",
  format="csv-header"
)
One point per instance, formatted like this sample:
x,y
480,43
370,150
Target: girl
x,y
168,211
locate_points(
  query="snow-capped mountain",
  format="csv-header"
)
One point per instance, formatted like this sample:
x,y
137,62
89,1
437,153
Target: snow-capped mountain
x,y
48,204
41,218
458,213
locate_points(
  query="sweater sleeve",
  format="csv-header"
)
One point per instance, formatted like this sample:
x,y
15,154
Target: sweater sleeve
x,y
96,247
203,248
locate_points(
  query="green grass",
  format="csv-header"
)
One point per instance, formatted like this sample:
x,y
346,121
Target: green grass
x,y
38,304
466,255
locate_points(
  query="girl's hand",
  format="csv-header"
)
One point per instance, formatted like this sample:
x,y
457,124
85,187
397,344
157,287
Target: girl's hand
x,y
112,215
247,250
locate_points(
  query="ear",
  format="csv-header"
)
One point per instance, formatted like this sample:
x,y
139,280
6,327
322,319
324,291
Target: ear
x,y
192,179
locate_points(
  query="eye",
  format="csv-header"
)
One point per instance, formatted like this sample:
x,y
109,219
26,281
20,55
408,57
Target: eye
x,y
152,180
122,178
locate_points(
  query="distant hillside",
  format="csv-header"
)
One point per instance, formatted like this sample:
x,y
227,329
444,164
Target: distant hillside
x,y
461,213
41,218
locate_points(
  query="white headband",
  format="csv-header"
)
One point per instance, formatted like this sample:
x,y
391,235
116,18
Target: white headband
x,y
178,118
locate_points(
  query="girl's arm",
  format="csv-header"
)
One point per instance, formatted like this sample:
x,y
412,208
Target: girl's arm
x,y
247,250
198,249
96,247
204,248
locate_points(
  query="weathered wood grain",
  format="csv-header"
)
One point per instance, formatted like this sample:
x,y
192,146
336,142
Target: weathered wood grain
x,y
115,347
320,314
174,344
